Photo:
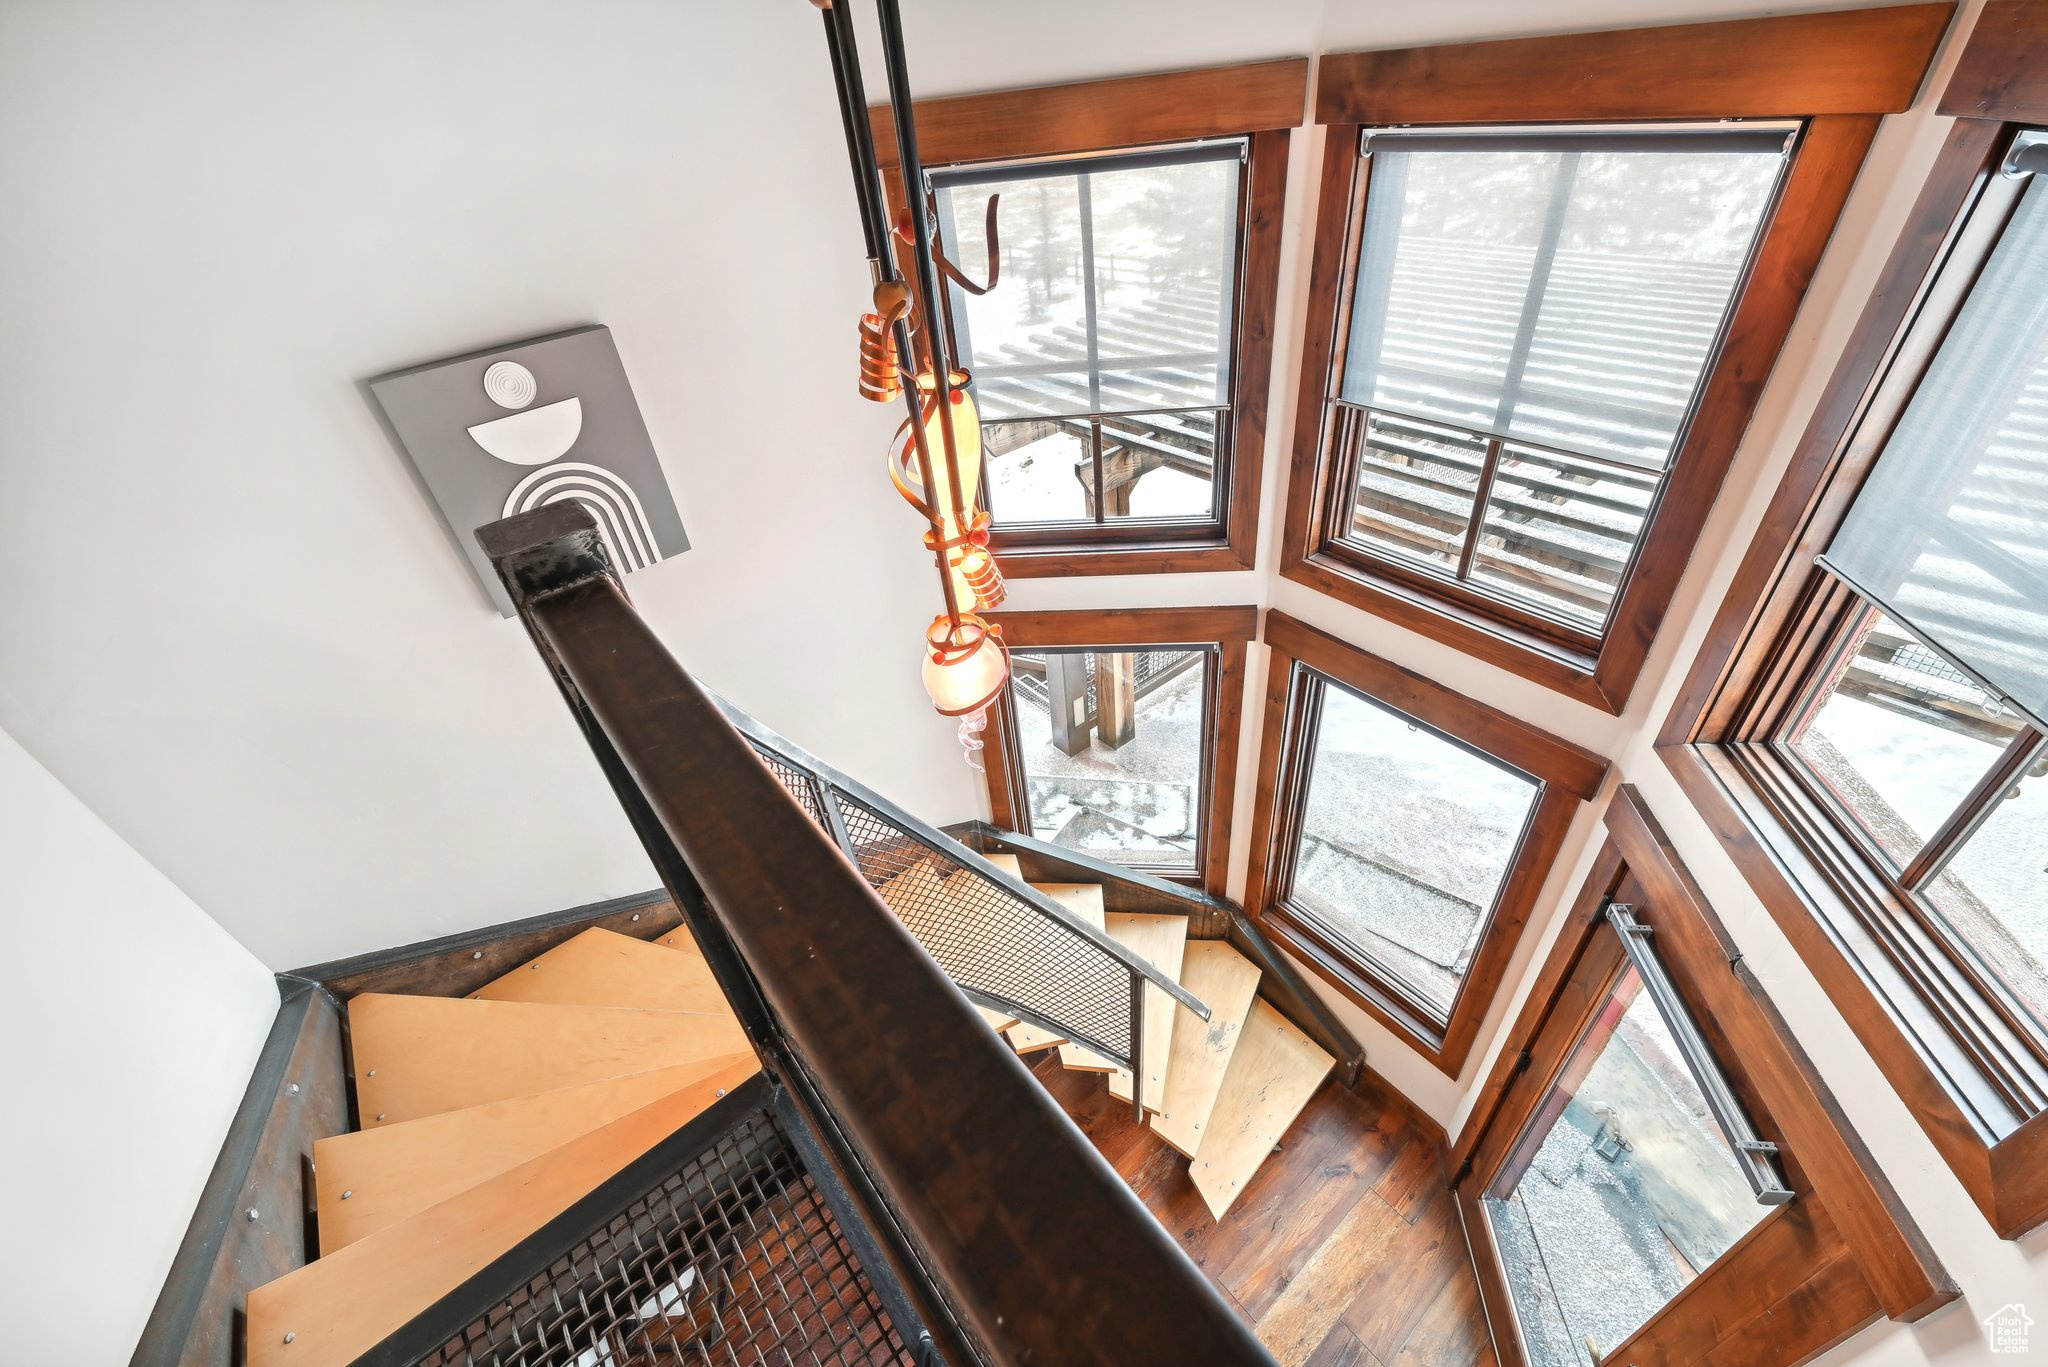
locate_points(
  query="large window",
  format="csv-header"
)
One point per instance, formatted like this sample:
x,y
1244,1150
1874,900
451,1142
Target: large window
x,y
1881,726
1102,361
1542,311
1653,1173
1533,316
1117,737
1368,767
1372,868
1121,362
1622,1193
1110,744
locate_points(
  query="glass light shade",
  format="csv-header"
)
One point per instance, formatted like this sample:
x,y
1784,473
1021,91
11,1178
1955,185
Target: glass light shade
x,y
903,466
965,668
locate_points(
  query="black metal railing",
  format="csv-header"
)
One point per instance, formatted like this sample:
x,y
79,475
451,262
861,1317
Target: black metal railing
x,y
1007,946
1011,1239
724,1246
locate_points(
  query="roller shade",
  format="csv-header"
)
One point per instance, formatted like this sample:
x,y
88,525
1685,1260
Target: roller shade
x,y
1950,532
1565,287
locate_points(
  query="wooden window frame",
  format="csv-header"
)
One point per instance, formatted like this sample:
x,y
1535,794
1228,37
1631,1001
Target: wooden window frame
x,y
1972,1076
1229,629
1569,774
1838,72
1814,1271
1260,102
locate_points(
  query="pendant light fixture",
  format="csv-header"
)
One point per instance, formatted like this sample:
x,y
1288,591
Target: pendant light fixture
x,y
935,458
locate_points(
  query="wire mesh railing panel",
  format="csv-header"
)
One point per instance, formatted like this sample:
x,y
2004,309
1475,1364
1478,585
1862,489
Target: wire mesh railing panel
x,y
733,1260
799,783
990,940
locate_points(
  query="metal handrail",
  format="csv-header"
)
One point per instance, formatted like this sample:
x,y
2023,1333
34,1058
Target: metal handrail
x,y
1001,1217
970,861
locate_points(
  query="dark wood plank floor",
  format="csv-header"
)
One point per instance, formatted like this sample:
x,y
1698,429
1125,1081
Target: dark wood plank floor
x,y
1345,1249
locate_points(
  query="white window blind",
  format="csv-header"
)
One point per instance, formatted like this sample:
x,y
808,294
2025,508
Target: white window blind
x,y
1950,532
1560,287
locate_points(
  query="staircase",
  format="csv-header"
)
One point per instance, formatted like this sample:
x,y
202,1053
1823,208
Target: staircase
x,y
1221,1091
775,1134
484,1117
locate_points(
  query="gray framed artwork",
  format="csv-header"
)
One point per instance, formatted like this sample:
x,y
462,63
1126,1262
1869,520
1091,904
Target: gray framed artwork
x,y
504,431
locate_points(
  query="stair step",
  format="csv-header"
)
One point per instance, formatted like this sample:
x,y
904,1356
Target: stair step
x,y
1226,982
373,1179
341,1306
919,886
1008,864
1161,941
418,1056
604,968
998,1021
1273,1072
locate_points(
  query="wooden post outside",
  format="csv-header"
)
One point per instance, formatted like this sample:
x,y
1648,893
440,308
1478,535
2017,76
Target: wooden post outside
x,y
1066,690
1116,698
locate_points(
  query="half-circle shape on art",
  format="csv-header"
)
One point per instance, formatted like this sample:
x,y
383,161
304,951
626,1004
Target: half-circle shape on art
x,y
620,517
534,437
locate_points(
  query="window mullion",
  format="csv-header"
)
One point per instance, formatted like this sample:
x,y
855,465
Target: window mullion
x,y
1488,465
1975,809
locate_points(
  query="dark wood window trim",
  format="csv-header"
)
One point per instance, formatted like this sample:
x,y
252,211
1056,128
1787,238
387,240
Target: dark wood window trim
x,y
1569,774
1261,102
1842,1253
1948,1042
1839,72
1229,629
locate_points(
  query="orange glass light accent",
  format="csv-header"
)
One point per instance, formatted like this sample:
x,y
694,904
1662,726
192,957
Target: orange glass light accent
x,y
903,469
965,665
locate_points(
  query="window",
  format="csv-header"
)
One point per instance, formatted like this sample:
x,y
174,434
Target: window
x,y
1110,746
1117,737
1539,322
1532,318
1101,363
1623,1192
1368,766
1121,362
1652,1171
1371,868
1881,725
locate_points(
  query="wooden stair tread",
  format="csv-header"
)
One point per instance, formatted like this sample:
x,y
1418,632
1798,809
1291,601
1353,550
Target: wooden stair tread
x,y
1084,900
1008,864
372,1179
998,1021
604,968
341,1306
1161,941
919,885
418,1056
1029,1039
1273,1072
1226,982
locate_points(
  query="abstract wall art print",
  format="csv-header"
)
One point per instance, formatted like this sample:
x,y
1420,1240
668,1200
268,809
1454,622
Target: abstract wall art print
x,y
504,431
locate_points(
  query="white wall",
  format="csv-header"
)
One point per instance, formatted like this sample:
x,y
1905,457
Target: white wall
x,y
266,665
264,661
132,1022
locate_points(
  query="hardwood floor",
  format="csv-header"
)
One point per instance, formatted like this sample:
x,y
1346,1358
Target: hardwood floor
x,y
1344,1251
